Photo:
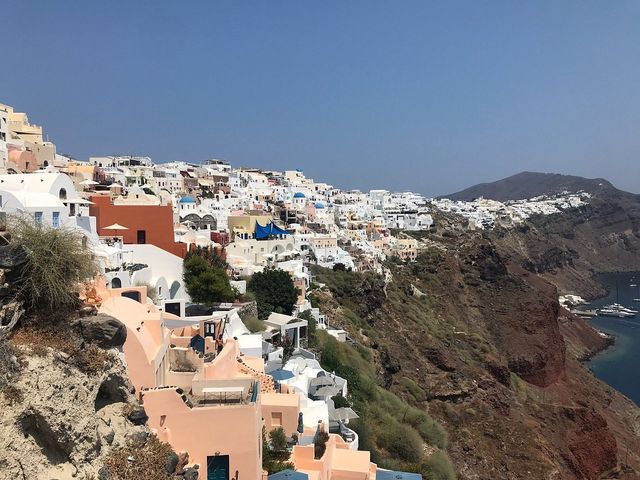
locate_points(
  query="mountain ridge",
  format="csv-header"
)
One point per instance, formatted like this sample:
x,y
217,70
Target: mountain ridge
x,y
528,184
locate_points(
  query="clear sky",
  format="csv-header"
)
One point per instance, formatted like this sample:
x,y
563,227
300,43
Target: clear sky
x,y
407,95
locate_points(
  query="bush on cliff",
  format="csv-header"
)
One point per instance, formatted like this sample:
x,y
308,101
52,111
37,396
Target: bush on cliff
x,y
56,264
139,461
274,292
206,279
391,429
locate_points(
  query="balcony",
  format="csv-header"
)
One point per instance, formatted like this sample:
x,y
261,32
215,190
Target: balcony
x,y
208,393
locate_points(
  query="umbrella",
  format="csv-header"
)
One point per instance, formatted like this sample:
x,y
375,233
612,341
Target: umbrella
x,y
321,382
300,428
115,226
328,391
343,414
79,201
89,182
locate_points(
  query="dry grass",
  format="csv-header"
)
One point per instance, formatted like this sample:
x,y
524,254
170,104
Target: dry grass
x,y
56,264
138,461
87,358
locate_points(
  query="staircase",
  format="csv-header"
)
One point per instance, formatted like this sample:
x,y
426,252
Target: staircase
x,y
267,384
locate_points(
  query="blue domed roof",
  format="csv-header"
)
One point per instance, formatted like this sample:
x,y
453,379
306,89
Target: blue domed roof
x,y
319,205
187,200
299,195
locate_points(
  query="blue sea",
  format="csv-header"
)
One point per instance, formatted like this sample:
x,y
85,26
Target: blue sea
x,y
618,365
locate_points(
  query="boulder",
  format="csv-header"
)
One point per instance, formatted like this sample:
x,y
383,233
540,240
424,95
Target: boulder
x,y
138,436
171,463
191,474
138,416
103,330
12,257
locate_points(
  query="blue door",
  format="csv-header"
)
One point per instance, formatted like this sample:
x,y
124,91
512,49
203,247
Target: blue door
x,y
218,467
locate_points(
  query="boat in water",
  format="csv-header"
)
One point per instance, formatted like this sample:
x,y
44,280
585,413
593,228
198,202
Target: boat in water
x,y
611,311
617,306
584,313
617,309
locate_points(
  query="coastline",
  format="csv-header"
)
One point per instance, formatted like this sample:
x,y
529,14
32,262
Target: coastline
x,y
609,343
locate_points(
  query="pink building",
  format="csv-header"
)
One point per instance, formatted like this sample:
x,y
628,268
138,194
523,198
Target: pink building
x,y
339,462
201,395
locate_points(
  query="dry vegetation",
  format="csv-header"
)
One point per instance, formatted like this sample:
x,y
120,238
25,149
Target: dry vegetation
x,y
56,262
39,340
139,461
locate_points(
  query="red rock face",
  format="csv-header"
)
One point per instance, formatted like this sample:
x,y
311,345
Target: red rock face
x,y
534,346
592,448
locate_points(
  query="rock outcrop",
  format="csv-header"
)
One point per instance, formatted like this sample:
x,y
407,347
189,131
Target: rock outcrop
x,y
101,329
66,421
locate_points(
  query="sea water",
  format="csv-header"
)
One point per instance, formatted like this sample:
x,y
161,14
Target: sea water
x,y
618,365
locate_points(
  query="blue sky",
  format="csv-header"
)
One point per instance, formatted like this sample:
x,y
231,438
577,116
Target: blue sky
x,y
407,95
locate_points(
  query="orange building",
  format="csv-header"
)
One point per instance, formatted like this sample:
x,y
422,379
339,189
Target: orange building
x,y
145,223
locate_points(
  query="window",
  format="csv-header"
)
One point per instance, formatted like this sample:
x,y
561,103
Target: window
x,y
142,236
55,219
63,194
37,216
276,419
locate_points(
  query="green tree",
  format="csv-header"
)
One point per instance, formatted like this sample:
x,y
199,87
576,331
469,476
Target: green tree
x,y
274,451
278,440
274,291
205,279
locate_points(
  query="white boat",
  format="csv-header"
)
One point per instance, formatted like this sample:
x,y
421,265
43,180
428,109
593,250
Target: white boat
x,y
610,312
622,308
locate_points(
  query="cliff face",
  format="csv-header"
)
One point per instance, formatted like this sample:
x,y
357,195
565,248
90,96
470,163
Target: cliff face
x,y
566,249
485,340
61,423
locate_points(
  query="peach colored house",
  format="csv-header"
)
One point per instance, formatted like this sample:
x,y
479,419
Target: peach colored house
x,y
201,394
339,462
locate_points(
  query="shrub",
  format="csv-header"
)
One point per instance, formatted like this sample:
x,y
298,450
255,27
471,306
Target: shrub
x,y
152,292
432,432
90,359
414,389
438,467
139,461
278,440
401,441
274,452
205,280
274,291
56,264
339,401
253,323
87,358
311,326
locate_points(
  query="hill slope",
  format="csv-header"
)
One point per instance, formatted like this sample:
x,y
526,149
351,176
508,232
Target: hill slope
x,y
532,184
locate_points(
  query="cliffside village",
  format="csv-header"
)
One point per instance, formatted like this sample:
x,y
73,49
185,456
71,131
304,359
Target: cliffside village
x,y
207,384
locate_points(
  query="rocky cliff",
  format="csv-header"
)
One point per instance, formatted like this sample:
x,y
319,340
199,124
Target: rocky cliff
x,y
472,333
